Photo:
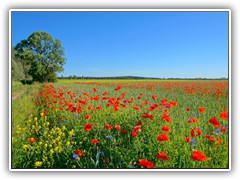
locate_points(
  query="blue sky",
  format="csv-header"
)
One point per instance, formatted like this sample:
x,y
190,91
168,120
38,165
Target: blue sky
x,y
150,44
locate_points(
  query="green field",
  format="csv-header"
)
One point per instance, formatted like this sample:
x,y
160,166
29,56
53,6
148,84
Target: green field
x,y
120,124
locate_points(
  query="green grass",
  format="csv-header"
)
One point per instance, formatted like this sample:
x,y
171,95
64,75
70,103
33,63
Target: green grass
x,y
23,106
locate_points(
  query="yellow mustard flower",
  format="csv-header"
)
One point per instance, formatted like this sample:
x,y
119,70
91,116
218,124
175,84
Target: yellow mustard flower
x,y
38,163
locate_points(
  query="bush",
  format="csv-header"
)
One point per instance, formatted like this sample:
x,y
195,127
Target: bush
x,y
52,77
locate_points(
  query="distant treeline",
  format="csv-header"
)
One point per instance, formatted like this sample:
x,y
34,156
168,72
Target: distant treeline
x,y
136,77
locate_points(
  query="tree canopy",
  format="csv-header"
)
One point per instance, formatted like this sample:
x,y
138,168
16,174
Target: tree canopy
x,y
41,56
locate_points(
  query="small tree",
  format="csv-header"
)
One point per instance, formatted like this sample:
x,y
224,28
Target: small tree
x,y
17,71
23,55
52,77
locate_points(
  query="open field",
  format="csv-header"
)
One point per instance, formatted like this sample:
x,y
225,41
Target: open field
x,y
121,124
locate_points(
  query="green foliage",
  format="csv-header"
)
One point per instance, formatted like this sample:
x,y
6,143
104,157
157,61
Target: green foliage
x,y
52,77
23,56
40,56
17,71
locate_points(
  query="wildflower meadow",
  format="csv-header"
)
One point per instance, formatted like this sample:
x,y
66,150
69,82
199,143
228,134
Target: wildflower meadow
x,y
121,124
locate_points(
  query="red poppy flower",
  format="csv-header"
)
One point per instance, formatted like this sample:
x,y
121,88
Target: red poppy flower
x,y
95,126
214,122
139,123
174,103
147,116
32,140
118,127
224,115
116,108
208,136
136,108
145,163
123,105
99,107
151,108
154,96
97,97
108,127
166,118
150,165
137,129
187,109
87,127
166,128
195,132
162,155
94,141
223,129
163,137
164,100
105,93
188,139
142,162
79,152
123,131
94,89
117,88
201,109
134,134
145,102
198,156
192,120
87,116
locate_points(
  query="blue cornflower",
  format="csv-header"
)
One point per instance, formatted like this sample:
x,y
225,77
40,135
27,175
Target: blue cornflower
x,y
145,141
193,141
218,130
64,120
73,138
101,152
108,137
75,156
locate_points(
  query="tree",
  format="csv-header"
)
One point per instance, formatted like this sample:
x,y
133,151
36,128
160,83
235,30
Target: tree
x,y
41,56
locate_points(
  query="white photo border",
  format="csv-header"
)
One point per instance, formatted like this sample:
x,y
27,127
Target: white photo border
x,y
120,10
